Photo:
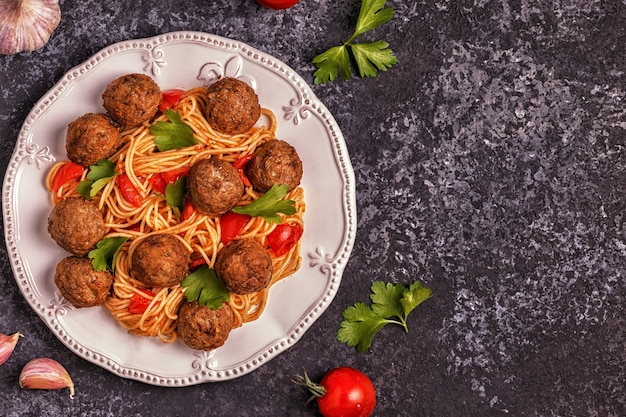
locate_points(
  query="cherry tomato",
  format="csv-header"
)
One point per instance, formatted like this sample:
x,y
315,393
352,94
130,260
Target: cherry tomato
x,y
139,303
342,392
231,224
278,4
284,237
68,171
128,190
170,98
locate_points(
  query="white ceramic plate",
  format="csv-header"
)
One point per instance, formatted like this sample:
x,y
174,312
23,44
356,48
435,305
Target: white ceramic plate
x,y
183,60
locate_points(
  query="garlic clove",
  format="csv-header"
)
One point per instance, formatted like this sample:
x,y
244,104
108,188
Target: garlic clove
x,y
7,345
26,25
45,373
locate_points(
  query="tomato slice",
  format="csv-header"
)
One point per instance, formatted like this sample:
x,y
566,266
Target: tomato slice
x,y
278,4
68,171
188,210
231,224
284,237
170,98
197,263
139,303
240,165
159,181
170,177
128,190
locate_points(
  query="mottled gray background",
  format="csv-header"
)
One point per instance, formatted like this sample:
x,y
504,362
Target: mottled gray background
x,y
490,163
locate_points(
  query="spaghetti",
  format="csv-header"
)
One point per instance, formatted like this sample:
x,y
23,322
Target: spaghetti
x,y
139,159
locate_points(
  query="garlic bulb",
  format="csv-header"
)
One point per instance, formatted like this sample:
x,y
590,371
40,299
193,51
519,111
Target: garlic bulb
x,y
26,25
45,373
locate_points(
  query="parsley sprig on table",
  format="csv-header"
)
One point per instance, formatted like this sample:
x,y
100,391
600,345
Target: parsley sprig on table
x,y
391,304
368,57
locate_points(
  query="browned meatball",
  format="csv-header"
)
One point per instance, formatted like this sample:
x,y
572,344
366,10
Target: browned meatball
x,y
76,225
244,266
232,106
90,138
203,328
160,260
80,284
274,162
214,186
132,99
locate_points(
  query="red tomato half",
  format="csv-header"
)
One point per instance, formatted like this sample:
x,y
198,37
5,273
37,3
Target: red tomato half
x,y
68,171
284,237
349,393
231,224
170,98
278,4
139,303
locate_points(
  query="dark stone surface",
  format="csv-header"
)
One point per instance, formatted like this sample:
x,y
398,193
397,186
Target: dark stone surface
x,y
490,164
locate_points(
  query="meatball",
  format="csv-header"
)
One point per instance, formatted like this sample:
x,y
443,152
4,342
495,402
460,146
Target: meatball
x,y
160,260
80,284
232,106
76,225
132,99
244,266
90,138
203,328
214,186
274,162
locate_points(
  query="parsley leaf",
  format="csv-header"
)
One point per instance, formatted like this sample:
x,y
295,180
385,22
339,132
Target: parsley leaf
x,y
204,286
175,194
99,175
369,58
373,13
391,304
374,56
173,134
359,326
105,254
331,63
269,205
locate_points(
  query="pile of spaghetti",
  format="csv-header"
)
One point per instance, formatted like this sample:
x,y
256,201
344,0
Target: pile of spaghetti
x,y
139,159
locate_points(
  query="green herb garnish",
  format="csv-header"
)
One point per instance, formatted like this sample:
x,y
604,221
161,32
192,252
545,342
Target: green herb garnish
x,y
204,286
391,304
368,57
173,134
99,175
105,254
269,205
175,195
